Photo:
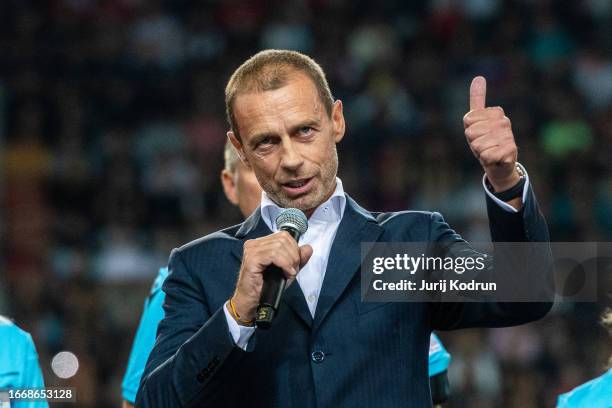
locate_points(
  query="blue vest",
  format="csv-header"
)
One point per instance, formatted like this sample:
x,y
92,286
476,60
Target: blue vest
x,y
18,362
596,393
145,338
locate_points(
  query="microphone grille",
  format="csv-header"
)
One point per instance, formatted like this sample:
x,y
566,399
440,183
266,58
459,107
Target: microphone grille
x,y
292,217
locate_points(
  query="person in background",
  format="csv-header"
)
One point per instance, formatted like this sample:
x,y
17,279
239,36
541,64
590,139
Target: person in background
x,y
19,368
596,393
241,189
439,360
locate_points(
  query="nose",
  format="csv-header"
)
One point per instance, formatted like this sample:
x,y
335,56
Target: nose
x,y
291,158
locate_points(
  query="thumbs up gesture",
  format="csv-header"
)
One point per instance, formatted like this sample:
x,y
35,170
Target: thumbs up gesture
x,y
489,134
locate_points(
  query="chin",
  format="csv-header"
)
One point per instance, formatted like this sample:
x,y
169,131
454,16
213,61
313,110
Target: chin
x,y
301,203
306,204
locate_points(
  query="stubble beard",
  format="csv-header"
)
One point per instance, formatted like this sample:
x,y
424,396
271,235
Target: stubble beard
x,y
318,196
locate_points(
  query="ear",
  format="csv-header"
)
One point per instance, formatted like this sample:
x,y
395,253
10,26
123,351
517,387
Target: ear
x,y
238,147
229,186
338,121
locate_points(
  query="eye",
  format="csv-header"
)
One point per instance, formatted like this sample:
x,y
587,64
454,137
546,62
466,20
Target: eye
x,y
264,141
305,131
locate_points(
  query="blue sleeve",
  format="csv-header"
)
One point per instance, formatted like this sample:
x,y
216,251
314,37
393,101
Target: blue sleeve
x,y
145,339
439,358
195,357
31,375
562,401
594,393
528,225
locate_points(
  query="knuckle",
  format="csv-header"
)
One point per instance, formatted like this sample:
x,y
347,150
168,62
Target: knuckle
x,y
475,145
279,260
469,133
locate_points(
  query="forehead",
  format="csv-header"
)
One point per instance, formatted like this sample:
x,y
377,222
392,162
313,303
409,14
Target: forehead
x,y
278,109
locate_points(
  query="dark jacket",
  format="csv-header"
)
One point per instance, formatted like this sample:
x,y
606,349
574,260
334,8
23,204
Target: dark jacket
x,y
352,354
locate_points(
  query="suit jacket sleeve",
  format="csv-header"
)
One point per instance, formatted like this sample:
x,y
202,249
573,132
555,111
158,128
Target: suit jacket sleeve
x,y
527,225
194,352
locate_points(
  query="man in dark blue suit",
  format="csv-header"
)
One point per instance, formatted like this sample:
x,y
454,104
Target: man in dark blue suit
x,y
326,348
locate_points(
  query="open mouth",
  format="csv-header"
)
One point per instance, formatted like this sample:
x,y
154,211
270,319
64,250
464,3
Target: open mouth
x,y
297,187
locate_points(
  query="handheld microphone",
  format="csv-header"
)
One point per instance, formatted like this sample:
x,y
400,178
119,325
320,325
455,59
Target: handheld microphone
x,y
295,223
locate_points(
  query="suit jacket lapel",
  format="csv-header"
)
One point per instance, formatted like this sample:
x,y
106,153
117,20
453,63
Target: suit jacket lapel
x,y
255,227
357,226
295,299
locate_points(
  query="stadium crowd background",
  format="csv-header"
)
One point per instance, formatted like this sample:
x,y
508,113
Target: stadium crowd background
x,y
112,127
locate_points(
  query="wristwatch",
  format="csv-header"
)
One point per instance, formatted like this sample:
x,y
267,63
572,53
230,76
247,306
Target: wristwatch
x,y
514,191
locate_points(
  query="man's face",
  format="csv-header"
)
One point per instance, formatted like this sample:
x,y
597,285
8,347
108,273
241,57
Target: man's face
x,y
241,188
289,141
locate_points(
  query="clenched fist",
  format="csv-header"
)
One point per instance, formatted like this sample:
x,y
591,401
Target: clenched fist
x,y
278,249
489,134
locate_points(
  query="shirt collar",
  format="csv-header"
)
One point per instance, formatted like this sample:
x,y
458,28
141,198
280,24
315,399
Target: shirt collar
x,y
331,210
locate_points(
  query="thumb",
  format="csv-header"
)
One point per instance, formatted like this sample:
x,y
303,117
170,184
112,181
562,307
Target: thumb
x,y
305,254
478,93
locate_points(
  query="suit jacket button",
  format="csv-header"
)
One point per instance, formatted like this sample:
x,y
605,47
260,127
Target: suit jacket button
x,y
201,377
317,356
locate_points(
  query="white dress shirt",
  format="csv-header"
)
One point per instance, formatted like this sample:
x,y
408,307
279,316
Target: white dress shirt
x,y
322,228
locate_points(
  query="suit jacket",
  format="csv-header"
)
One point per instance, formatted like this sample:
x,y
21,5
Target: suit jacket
x,y
352,354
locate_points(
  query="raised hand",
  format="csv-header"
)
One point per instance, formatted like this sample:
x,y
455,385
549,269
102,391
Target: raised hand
x,y
489,135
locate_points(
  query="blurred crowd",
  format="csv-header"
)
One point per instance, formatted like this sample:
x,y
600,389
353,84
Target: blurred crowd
x,y
112,126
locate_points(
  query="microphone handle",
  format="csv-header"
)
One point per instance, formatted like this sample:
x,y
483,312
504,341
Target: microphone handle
x,y
272,290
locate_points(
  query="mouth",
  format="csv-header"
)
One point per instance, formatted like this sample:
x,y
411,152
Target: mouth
x,y
297,187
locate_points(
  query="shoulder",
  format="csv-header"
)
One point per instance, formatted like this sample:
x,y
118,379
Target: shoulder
x,y
402,225
219,240
10,329
392,218
11,334
198,259
411,225
403,217
589,394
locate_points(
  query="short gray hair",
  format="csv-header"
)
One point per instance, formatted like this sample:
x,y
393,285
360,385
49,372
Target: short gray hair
x,y
269,70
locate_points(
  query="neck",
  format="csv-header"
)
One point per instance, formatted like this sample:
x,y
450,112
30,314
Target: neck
x,y
311,211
